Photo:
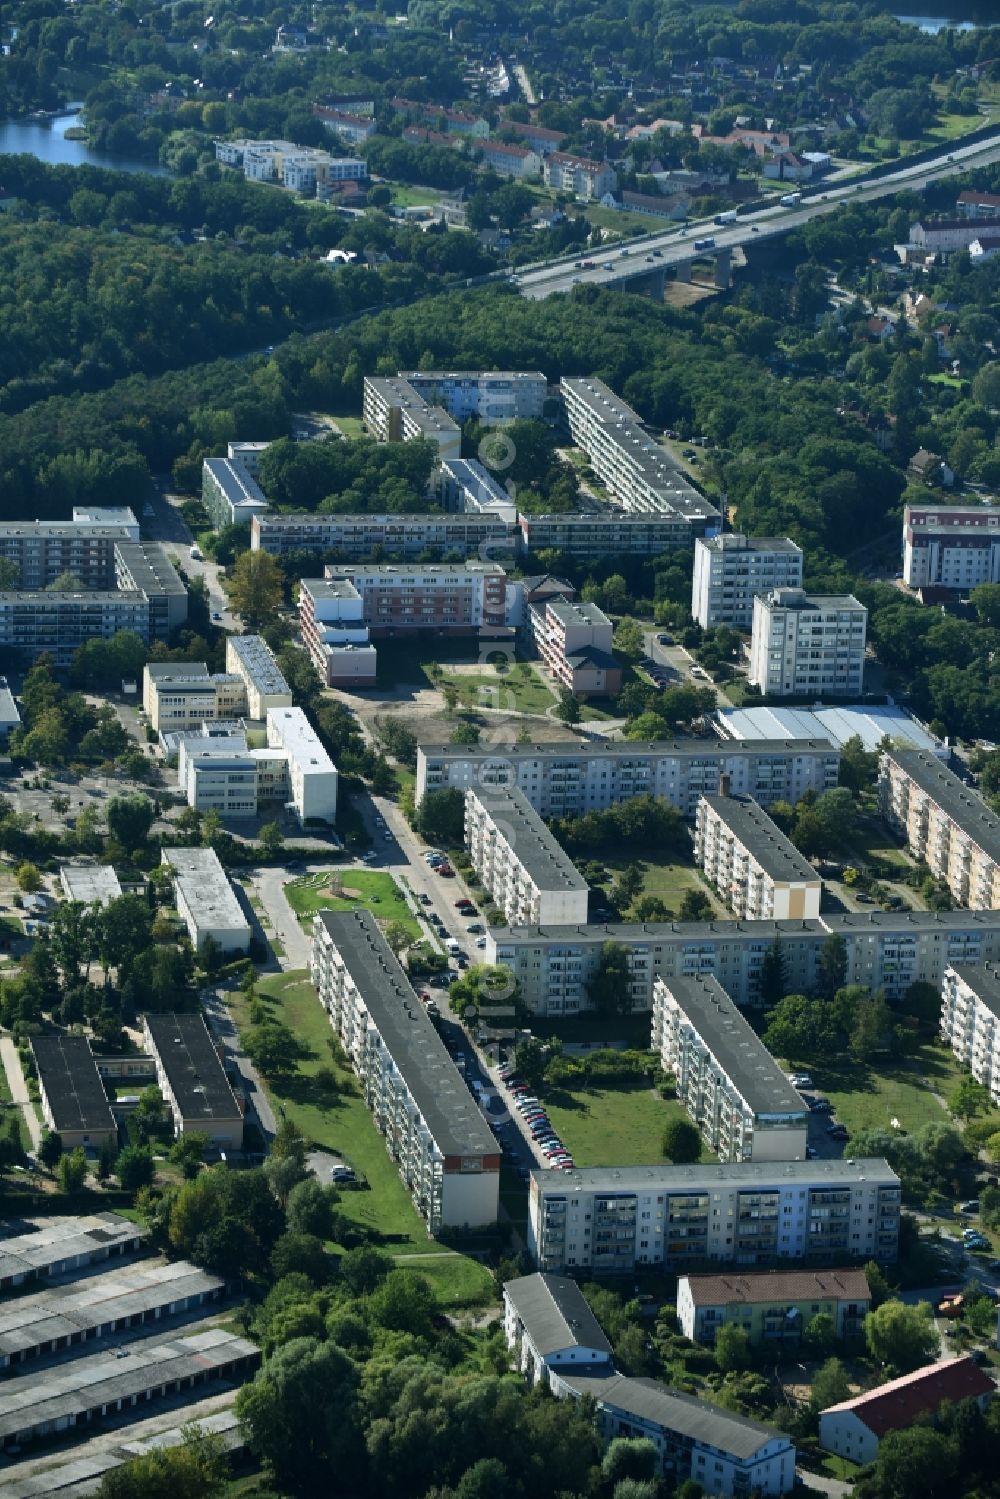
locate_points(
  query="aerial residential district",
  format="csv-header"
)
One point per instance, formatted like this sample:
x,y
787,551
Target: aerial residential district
x,y
499,750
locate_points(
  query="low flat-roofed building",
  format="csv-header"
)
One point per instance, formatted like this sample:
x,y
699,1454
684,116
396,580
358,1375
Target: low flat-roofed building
x,y
93,884
312,775
447,1155
772,1306
183,696
192,1080
854,1428
60,1245
156,673
724,1452
748,859
519,862
250,657
74,1101
726,1078
70,1395
872,724
206,900
64,1317
549,1325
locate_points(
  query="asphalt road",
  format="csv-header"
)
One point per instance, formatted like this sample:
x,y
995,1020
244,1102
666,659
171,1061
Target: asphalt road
x,y
166,524
674,245
224,1029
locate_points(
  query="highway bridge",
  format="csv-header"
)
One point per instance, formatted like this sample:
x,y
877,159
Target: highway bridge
x,y
644,263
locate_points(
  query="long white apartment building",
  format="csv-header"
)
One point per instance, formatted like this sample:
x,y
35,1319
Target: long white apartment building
x,y
230,493
731,569
312,775
601,533
951,546
181,695
607,1220
807,644
394,412
447,1156
332,621
250,657
528,876
450,598
559,779
734,1090
747,858
889,950
205,899
494,396
466,486
946,825
352,538
637,470
970,1021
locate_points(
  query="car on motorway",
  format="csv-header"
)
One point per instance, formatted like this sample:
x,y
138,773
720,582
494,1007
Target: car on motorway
x,y
607,266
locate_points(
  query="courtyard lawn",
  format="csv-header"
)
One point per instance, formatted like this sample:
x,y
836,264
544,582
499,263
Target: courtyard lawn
x,y
352,890
908,1089
613,1126
668,879
350,426
519,690
415,197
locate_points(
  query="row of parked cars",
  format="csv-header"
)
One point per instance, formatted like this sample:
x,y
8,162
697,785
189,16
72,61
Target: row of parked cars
x,y
817,1104
536,1121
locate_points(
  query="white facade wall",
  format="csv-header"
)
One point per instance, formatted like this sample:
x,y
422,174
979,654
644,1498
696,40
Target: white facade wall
x,y
951,546
807,645
730,570
741,879
312,775
520,864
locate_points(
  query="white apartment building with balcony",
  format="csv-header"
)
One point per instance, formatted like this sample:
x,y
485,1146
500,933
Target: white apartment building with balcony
x,y
731,569
734,1090
889,950
608,1220
520,864
639,472
447,1156
951,546
970,1021
807,645
946,825
394,412
356,537
559,779
747,858
494,396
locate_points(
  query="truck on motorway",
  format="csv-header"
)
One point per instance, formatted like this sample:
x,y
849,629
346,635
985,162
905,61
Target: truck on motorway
x,y
705,244
729,217
790,200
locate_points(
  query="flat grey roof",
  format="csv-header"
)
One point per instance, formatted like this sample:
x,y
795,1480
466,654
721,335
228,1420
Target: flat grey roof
x,y
258,662
61,530
738,541
407,520
800,602
648,1400
762,838
89,882
72,1389
468,377
877,923
603,519
965,807
64,598
734,1044
534,847
27,1322
56,1239
576,612
746,1176
555,1314
149,567
72,1084
204,886
984,982
692,749
8,708
403,570
329,588
194,1073
181,671
408,1034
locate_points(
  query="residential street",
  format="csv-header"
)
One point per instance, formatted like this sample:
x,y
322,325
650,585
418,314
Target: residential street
x,y
222,1026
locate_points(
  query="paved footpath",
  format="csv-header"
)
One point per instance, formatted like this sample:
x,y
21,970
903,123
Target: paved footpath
x,y
19,1089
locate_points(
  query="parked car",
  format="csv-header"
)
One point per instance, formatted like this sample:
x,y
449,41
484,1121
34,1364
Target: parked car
x,y
425,899
475,928
971,1206
480,941
838,1132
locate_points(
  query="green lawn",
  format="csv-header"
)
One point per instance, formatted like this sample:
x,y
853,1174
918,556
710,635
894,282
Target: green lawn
x,y
350,426
871,1097
414,197
458,1281
669,880
613,1126
363,889
406,661
519,690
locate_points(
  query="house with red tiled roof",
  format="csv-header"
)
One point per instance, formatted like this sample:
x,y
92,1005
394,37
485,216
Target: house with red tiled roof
x,y
854,1428
975,205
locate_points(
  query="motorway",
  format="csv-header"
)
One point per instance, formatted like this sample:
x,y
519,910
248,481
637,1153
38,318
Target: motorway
x,y
673,245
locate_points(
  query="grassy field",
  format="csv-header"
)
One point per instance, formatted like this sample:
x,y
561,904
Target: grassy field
x,y
670,881
520,690
406,661
613,1126
870,1098
369,891
350,426
414,197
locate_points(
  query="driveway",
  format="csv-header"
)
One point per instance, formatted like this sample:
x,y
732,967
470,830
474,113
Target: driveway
x,y
19,1089
223,1027
270,882
167,525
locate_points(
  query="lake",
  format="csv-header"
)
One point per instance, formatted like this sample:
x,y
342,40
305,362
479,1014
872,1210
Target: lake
x,y
46,139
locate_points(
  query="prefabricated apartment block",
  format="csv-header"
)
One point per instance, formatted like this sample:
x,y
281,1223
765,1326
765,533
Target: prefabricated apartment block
x,y
527,874
447,1155
606,1220
947,826
731,569
734,1090
579,777
807,644
773,1307
758,872
951,546
394,412
970,1021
